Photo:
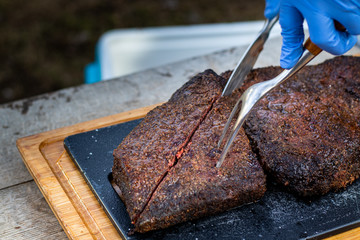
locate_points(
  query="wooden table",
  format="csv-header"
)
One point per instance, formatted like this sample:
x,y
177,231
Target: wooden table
x,y
24,212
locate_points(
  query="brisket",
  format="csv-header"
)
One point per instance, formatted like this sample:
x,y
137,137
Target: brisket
x,y
165,168
146,154
307,130
196,187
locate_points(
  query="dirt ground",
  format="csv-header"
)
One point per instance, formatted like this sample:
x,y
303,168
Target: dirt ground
x,y
45,45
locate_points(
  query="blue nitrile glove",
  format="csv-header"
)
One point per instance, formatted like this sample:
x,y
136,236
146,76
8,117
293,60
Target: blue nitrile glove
x,y
272,8
320,16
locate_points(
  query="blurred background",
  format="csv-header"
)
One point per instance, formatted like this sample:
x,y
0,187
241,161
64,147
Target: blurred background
x,y
45,45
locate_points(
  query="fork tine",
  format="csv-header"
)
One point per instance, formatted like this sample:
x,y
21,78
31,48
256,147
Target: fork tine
x,y
248,99
239,122
227,125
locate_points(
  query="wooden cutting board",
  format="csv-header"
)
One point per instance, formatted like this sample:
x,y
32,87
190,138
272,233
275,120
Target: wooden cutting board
x,y
65,190
61,183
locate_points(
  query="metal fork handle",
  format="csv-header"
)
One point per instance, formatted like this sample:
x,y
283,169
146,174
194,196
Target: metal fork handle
x,y
257,91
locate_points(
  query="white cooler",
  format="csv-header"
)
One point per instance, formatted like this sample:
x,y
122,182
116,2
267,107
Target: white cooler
x,y
121,52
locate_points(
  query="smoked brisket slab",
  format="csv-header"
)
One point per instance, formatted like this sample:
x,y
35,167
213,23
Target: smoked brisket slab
x,y
147,153
306,131
164,180
195,187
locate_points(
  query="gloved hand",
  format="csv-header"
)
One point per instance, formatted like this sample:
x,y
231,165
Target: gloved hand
x,y
320,16
272,8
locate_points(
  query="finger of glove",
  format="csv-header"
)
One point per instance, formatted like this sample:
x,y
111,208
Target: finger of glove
x,y
347,12
272,8
291,22
351,23
324,35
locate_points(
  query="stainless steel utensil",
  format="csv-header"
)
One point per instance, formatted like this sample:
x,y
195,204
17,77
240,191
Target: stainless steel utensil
x,y
249,58
254,93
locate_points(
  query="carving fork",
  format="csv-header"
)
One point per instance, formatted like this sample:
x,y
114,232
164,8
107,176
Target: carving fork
x,y
254,93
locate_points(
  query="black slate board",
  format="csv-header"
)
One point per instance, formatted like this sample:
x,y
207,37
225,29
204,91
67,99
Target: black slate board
x,y
278,215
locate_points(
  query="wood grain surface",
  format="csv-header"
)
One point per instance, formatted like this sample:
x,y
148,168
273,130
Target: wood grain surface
x,y
12,202
62,185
